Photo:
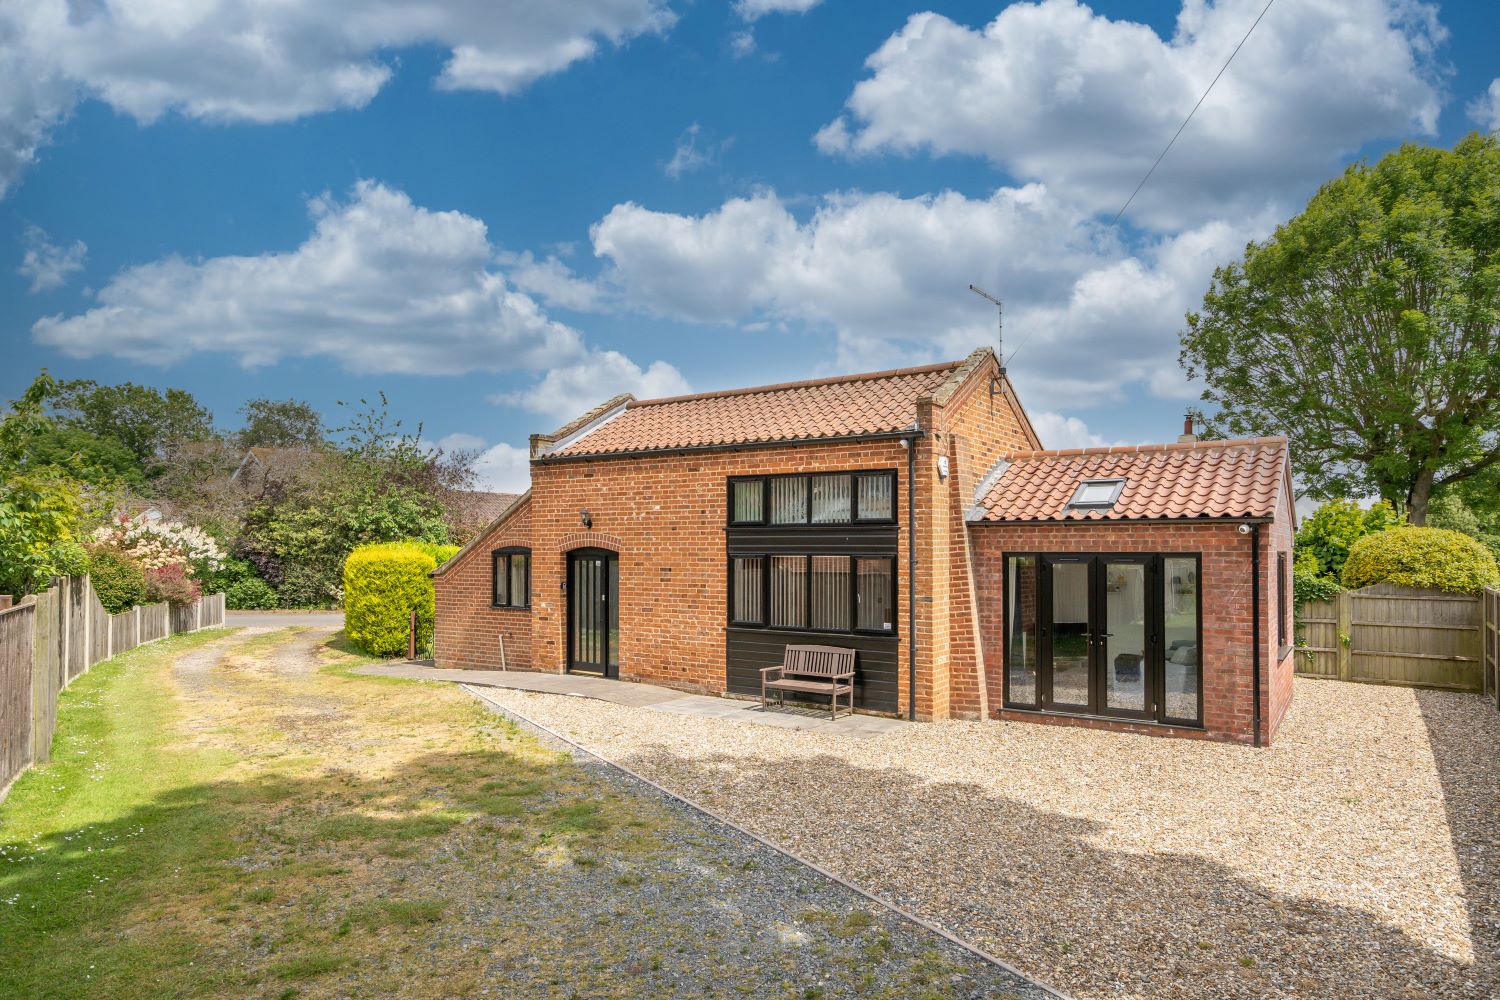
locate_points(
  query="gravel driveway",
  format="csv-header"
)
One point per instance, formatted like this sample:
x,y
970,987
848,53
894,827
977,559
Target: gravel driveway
x,y
1359,857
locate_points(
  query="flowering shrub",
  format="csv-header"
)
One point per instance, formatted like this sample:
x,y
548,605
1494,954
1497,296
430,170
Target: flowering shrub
x,y
172,584
159,544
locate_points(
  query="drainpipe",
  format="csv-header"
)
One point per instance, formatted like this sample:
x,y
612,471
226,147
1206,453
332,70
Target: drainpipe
x,y
1255,623
911,575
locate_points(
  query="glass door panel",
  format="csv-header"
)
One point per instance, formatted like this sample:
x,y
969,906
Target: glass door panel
x,y
1069,633
1123,641
1182,670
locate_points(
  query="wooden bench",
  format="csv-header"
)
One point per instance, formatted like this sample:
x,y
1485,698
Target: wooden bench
x,y
820,669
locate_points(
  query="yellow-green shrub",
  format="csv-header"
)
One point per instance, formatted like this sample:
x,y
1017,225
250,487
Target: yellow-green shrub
x,y
382,584
1421,557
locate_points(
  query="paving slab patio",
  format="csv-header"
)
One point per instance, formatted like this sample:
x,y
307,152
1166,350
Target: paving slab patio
x,y
650,696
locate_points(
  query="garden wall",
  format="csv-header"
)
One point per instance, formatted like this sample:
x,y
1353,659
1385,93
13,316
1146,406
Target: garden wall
x,y
51,638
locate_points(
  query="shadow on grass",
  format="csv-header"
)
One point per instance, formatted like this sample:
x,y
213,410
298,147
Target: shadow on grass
x,y
240,887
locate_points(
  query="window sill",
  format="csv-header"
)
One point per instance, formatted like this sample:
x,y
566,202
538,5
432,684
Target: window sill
x,y
510,607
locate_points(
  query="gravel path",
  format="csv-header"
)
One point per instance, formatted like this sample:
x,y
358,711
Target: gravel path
x,y
1359,857
715,913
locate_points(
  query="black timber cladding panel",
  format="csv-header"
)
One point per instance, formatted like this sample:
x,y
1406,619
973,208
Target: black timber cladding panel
x,y
875,662
748,648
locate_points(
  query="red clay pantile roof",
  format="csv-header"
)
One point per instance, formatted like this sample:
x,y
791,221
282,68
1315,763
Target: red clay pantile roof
x,y
1199,479
878,402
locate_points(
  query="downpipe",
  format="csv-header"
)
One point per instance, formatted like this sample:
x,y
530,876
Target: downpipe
x,y
1256,654
910,443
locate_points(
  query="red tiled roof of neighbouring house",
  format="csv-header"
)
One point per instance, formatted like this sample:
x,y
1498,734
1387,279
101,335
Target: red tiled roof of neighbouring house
x,y
846,406
1200,479
478,506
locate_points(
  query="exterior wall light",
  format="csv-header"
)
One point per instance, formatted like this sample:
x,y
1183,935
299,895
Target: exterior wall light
x,y
586,518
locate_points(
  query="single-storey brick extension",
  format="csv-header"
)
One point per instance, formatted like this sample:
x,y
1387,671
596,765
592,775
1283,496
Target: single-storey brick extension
x,y
914,517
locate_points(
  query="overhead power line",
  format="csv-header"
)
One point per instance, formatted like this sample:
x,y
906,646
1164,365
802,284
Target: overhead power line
x,y
1189,117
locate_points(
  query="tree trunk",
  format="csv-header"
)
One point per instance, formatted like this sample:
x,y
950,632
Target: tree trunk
x,y
1416,500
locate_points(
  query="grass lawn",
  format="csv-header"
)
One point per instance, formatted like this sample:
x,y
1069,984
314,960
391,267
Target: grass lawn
x,y
209,826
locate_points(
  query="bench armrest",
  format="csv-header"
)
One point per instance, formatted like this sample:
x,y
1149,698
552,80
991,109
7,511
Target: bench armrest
x,y
766,670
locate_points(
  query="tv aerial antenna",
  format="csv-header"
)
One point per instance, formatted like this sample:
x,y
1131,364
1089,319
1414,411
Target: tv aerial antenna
x,y
996,384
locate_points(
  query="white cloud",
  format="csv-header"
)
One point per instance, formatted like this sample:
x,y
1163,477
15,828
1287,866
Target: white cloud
x,y
504,468
888,274
1485,109
460,441
381,285
565,392
552,281
694,152
742,43
257,61
49,264
1058,431
753,10
1051,91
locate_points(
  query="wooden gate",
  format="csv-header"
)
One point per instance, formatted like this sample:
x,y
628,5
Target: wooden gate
x,y
1384,634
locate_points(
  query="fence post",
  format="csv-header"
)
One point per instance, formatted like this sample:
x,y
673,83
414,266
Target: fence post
x,y
411,637
1344,630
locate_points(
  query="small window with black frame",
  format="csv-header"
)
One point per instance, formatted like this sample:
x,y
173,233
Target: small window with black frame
x,y
510,579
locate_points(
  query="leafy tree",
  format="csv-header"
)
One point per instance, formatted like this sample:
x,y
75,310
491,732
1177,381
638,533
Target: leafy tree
x,y
146,421
86,455
40,509
1331,531
288,423
1367,329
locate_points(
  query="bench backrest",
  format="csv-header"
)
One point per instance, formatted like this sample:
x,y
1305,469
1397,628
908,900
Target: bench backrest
x,y
818,661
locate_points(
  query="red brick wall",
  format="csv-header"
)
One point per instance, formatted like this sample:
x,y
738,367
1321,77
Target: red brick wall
x,y
468,629
973,428
1278,539
665,515
1226,611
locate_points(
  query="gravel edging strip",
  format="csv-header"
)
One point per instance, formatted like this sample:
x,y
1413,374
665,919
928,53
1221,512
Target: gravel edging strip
x,y
906,915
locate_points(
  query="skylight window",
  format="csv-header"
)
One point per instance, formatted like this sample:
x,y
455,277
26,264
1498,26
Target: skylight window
x,y
1097,494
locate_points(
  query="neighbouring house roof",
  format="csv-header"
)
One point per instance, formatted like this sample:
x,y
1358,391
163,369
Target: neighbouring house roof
x,y
478,506
1200,479
266,458
516,506
820,409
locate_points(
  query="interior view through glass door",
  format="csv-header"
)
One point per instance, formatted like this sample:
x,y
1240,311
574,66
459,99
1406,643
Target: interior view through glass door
x,y
1112,635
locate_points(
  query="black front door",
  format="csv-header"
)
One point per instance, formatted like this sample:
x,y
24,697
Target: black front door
x,y
593,612
1097,640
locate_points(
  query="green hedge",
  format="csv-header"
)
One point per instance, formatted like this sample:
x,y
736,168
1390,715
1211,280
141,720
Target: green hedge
x,y
382,584
118,579
1421,557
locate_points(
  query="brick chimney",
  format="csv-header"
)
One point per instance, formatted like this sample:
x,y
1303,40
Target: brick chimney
x,y
1187,436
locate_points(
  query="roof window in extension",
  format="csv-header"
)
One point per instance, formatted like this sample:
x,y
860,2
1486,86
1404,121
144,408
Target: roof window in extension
x,y
1096,494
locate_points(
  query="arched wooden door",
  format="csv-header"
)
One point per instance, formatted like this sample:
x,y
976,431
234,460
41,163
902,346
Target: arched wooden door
x,y
594,612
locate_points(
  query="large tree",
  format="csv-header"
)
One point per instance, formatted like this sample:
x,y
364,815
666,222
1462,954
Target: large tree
x,y
148,422
1367,329
286,423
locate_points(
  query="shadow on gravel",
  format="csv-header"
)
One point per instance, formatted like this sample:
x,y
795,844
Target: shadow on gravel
x,y
521,874
992,867
1464,731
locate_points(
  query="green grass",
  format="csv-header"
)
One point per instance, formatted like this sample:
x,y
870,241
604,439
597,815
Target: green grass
x,y
178,848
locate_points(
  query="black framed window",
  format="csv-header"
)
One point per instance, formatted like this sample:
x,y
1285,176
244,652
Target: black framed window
x,y
875,594
510,578
824,498
747,501
1282,585
818,593
875,495
747,578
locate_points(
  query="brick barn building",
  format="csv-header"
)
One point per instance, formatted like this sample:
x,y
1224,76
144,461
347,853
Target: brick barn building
x,y
909,515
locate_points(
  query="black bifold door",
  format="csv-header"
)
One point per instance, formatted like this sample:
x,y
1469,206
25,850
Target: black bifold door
x,y
1112,635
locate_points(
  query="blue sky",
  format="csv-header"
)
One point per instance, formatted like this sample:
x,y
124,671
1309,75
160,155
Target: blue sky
x,y
502,212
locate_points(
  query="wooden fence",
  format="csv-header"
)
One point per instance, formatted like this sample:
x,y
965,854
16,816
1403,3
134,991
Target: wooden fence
x,y
1385,634
51,638
1491,625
